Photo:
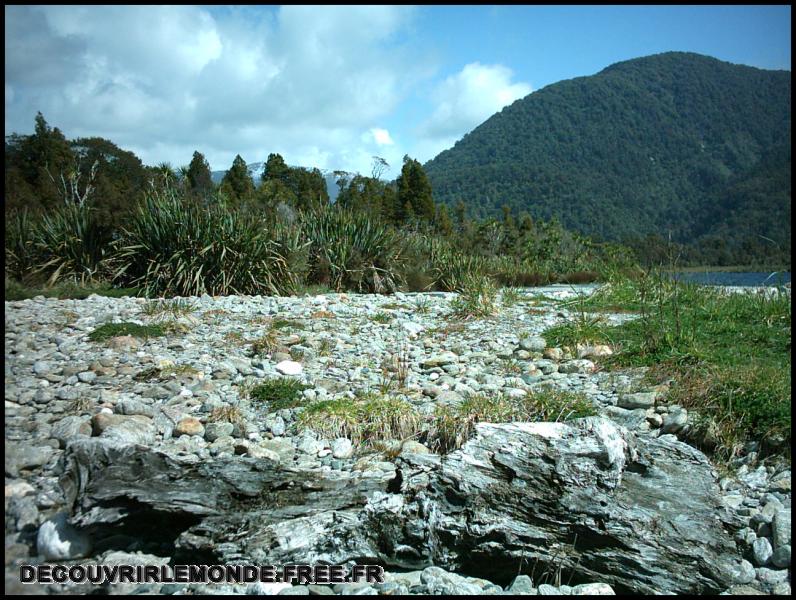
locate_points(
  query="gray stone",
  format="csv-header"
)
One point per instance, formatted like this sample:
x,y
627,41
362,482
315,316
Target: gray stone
x,y
342,448
744,572
533,343
69,428
593,589
522,584
215,430
25,456
780,529
761,551
58,540
781,557
637,400
675,420
770,576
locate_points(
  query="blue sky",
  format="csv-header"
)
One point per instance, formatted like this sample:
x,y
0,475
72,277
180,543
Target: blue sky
x,y
333,86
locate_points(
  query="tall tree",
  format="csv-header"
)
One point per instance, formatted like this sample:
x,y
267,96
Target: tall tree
x,y
275,169
200,182
414,190
237,184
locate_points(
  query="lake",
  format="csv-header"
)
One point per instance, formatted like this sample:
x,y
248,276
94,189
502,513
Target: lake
x,y
734,278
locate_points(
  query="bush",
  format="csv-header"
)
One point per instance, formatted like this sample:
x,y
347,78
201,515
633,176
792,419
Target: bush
x,y
349,250
175,248
279,393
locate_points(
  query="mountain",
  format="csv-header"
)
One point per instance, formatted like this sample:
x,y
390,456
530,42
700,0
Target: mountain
x,y
674,142
256,171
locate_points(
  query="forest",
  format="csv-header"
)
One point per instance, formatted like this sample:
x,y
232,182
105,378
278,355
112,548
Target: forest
x,y
673,146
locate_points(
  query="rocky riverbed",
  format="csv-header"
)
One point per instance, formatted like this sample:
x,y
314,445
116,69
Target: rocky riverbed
x,y
112,456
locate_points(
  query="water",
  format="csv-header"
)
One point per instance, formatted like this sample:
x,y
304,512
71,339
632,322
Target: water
x,y
734,278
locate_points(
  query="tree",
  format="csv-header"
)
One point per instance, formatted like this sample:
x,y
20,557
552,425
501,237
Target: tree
x,y
414,190
200,182
237,184
275,169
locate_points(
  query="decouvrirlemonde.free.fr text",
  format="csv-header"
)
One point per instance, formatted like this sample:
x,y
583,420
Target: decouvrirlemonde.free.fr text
x,y
300,574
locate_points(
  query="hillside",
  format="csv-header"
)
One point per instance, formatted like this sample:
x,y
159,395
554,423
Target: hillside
x,y
675,142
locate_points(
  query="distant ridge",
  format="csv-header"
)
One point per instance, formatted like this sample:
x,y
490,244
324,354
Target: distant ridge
x,y
675,142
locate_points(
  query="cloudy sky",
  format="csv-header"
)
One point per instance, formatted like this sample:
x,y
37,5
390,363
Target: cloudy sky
x,y
330,86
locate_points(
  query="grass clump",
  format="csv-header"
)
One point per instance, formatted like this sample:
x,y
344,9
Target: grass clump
x,y
728,354
477,298
111,330
454,425
228,414
382,318
363,420
511,296
176,307
279,393
265,345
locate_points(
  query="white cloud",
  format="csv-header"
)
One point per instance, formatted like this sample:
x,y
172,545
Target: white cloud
x,y
164,81
468,98
381,136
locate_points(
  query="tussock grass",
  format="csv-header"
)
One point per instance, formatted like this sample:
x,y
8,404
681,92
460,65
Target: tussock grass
x,y
363,420
454,425
477,298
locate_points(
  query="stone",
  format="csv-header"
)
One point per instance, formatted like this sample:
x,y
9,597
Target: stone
x,y
780,529
577,366
637,400
555,354
134,429
593,589
189,426
58,540
761,551
342,448
441,582
522,584
593,351
675,420
123,343
25,456
781,557
289,367
68,428
414,447
744,572
438,360
533,343
215,430
771,577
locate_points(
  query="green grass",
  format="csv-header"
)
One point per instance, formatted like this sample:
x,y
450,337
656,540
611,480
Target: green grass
x,y
279,393
111,330
729,355
175,307
14,290
363,420
382,318
454,425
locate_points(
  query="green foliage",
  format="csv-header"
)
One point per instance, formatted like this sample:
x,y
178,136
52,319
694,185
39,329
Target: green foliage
x,y
673,142
279,393
348,250
414,200
66,244
237,184
454,425
110,330
199,179
477,298
728,353
363,420
175,248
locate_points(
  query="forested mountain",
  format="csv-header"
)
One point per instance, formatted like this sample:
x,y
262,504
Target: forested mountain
x,y
673,143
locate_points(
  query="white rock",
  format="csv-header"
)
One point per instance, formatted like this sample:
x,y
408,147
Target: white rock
x,y
289,367
342,448
58,540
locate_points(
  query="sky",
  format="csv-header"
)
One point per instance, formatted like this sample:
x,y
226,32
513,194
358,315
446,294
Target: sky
x,y
332,86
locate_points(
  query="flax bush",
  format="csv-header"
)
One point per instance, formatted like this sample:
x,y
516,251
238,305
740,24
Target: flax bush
x,y
172,247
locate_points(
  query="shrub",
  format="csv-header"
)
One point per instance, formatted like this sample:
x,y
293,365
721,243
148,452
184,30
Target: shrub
x,y
349,250
279,393
175,248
